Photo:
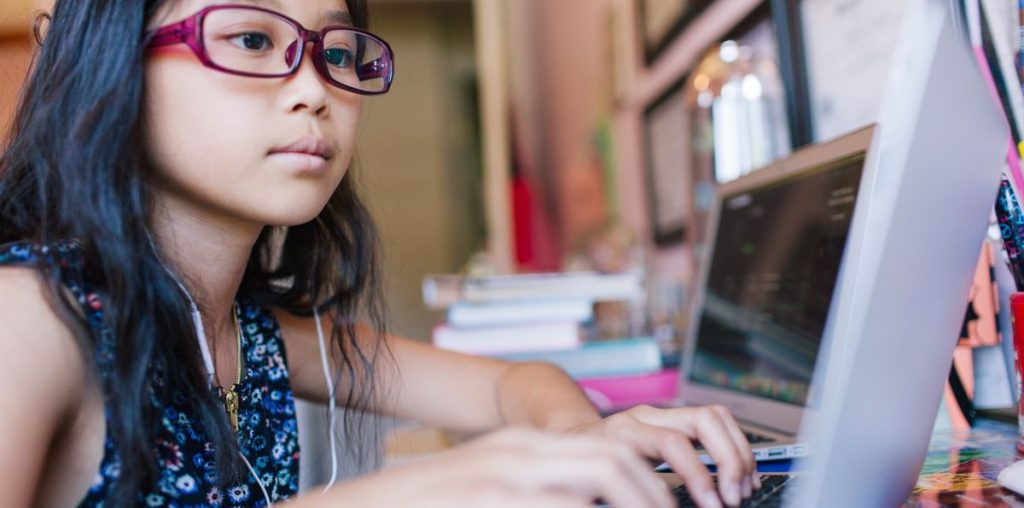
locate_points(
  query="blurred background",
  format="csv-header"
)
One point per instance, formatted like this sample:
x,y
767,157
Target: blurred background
x,y
535,135
525,135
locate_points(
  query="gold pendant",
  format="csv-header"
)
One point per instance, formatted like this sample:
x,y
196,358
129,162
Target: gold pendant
x,y
231,405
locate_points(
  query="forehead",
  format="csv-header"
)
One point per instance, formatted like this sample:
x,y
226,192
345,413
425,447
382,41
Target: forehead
x,y
312,13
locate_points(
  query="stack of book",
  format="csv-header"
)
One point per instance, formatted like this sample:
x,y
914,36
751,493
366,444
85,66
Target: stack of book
x,y
550,317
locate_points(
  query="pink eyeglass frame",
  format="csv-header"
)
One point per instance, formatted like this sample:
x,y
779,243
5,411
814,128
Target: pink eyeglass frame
x,y
189,32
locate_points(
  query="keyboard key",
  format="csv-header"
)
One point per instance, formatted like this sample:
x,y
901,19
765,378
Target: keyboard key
x,y
769,495
754,438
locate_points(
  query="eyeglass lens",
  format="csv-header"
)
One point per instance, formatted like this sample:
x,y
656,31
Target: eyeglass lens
x,y
256,42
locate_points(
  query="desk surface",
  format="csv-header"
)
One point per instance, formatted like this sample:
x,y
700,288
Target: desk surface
x,y
961,468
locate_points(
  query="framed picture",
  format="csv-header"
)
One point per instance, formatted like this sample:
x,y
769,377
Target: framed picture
x,y
662,20
744,104
669,179
850,47
749,93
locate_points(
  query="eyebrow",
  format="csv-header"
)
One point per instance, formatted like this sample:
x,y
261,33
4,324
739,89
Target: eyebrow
x,y
337,18
331,17
270,4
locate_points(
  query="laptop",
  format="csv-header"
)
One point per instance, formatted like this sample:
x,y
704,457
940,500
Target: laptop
x,y
926,190
774,257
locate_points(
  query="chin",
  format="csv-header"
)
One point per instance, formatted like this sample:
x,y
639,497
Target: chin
x,y
288,214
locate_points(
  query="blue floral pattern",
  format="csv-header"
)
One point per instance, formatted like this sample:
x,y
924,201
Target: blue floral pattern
x,y
267,426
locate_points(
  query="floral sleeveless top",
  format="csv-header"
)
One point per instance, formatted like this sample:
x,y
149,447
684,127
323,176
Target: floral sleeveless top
x,y
267,426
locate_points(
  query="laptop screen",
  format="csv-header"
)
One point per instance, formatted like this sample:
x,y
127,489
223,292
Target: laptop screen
x,y
774,266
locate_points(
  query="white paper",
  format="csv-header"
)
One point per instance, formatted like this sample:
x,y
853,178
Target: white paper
x,y
849,46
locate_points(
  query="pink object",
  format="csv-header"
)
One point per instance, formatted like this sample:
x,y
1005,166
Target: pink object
x,y
609,393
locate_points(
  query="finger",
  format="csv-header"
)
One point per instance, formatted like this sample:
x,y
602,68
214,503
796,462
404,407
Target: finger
x,y
590,477
655,442
624,453
642,440
619,462
666,434
602,467
711,432
626,484
696,423
577,462
554,499
677,450
746,452
739,446
584,466
653,484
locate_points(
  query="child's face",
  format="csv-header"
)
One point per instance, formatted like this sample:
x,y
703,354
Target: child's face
x,y
219,139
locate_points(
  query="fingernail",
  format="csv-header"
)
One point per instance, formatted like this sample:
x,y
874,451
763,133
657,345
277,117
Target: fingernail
x,y
757,480
747,489
711,500
731,495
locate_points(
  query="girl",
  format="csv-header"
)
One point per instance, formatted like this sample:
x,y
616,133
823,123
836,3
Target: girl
x,y
183,253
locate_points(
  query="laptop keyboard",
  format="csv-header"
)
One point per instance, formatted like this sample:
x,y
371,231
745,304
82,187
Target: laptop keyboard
x,y
753,438
768,496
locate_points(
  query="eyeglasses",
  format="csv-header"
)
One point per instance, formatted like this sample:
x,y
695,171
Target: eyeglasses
x,y
251,41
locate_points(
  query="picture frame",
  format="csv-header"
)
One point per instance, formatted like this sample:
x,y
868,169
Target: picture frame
x,y
681,177
666,125
784,16
661,21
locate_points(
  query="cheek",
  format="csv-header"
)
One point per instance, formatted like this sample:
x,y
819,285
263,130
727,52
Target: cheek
x,y
193,124
346,117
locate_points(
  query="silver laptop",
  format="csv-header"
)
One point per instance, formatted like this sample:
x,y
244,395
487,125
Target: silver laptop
x,y
775,253
925,195
908,269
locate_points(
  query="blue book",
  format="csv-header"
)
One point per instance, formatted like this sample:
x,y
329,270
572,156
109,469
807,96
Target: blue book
x,y
623,357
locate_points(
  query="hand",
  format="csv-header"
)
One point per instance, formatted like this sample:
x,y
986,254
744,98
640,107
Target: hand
x,y
519,467
669,434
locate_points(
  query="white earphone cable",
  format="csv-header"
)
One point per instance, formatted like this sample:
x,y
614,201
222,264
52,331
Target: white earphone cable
x,y
204,346
257,477
331,403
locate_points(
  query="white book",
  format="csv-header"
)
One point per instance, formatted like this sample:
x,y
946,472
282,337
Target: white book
x,y
440,291
509,339
473,315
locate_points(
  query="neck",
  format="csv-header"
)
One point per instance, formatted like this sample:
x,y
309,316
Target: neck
x,y
209,252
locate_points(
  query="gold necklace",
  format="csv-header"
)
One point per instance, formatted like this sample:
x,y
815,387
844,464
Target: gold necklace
x,y
231,394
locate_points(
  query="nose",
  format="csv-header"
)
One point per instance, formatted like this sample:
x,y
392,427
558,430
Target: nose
x,y
309,90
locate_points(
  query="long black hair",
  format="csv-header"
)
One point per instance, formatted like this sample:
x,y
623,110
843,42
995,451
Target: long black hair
x,y
77,167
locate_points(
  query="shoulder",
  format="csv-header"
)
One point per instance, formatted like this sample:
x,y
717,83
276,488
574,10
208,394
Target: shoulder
x,y
26,304
37,349
300,340
305,363
45,382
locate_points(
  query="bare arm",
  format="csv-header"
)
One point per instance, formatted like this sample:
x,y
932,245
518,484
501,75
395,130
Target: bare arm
x,y
461,392
443,388
42,372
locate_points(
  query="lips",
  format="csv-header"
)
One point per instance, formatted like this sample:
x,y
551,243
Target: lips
x,y
307,146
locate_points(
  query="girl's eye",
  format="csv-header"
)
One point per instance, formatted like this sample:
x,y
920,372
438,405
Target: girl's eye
x,y
339,57
252,41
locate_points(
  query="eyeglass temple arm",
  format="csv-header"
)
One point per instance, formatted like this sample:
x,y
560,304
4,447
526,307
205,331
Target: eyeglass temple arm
x,y
173,34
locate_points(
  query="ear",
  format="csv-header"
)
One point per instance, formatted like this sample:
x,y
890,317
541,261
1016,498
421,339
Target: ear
x,y
40,26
